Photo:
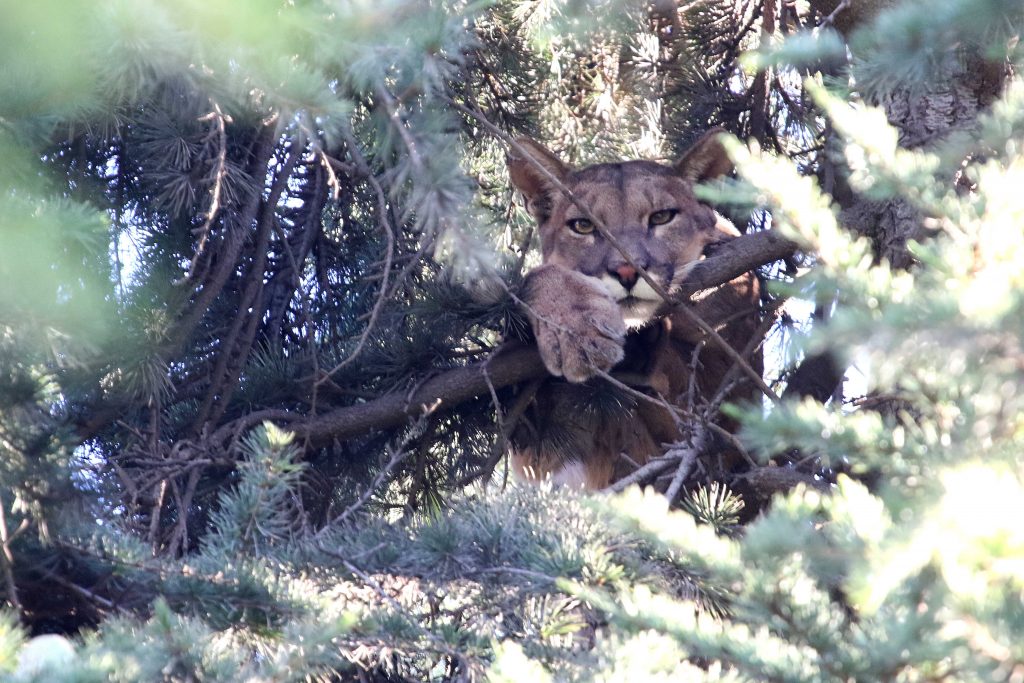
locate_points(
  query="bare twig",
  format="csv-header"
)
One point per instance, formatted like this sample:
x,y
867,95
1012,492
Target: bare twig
x,y
155,511
82,591
332,177
203,231
830,19
391,107
180,537
223,379
398,454
757,340
735,355
733,441
506,427
687,457
227,261
652,469
677,413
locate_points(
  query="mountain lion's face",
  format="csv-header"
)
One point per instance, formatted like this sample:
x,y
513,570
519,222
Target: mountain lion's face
x,y
648,208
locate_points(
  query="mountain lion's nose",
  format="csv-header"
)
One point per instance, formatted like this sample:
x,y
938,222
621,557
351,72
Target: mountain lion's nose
x,y
626,275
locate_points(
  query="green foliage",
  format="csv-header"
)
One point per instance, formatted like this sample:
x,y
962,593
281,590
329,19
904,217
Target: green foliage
x,y
168,647
918,577
715,505
12,638
216,213
255,513
917,44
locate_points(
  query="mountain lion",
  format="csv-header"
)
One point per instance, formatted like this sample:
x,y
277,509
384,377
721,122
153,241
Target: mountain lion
x,y
592,311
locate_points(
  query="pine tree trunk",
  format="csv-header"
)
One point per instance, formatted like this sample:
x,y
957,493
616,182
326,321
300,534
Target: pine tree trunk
x,y
923,117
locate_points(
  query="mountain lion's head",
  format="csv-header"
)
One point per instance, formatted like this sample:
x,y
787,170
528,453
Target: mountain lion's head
x,y
649,208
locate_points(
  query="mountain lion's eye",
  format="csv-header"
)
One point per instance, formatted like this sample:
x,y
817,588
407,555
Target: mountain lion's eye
x,y
661,217
581,226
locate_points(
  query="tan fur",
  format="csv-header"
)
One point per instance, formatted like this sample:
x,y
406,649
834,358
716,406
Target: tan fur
x,y
590,311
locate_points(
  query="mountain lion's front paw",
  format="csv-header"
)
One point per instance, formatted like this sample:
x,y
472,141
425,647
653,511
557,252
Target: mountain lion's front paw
x,y
578,325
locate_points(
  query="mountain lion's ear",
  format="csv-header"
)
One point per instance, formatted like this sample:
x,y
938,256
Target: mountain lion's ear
x,y
526,177
706,159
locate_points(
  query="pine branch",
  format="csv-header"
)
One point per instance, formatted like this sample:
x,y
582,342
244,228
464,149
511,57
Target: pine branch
x,y
455,386
234,353
227,262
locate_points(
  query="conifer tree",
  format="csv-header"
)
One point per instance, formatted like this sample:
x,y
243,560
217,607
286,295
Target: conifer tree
x,y
257,260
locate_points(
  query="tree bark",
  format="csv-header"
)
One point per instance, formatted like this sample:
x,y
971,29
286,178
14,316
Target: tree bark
x,y
922,118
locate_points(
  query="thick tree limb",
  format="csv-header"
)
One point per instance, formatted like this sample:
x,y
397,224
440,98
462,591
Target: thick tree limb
x,y
447,389
736,257
510,367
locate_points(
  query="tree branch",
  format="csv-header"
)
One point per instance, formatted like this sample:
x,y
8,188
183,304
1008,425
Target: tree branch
x,y
519,364
447,389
